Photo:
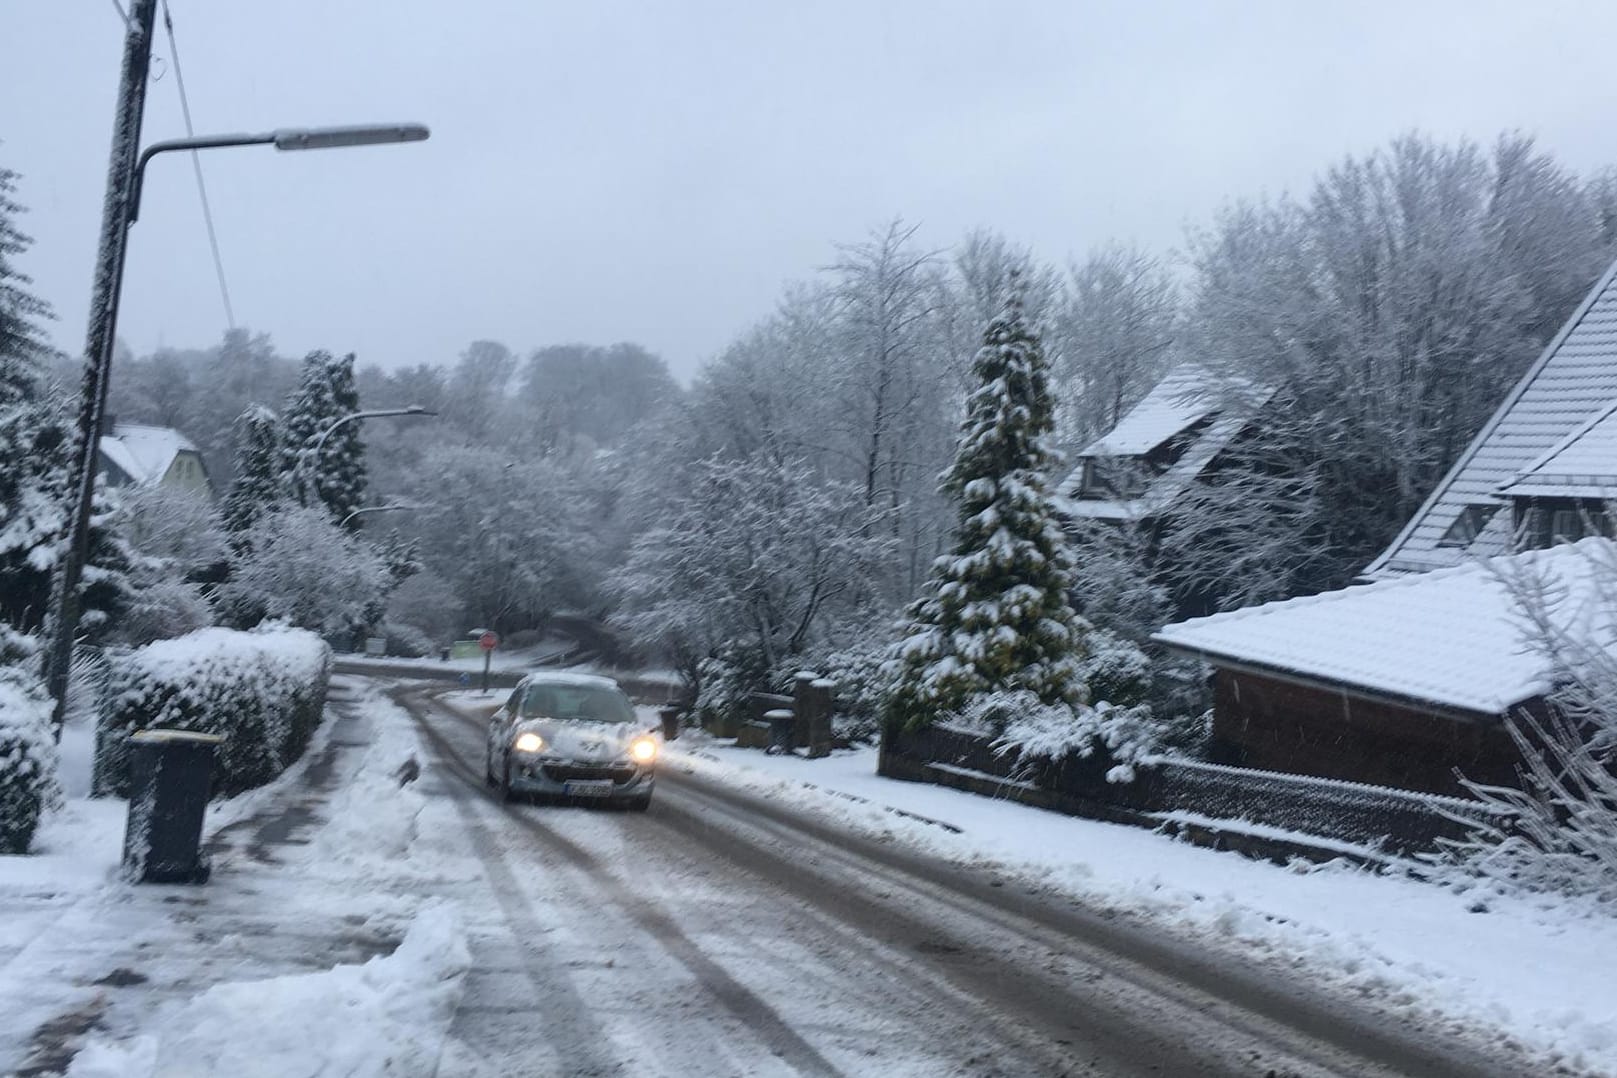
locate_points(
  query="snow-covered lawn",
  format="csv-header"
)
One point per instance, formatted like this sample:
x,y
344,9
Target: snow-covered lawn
x,y
1537,971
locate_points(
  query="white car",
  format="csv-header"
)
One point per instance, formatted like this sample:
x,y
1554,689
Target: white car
x,y
572,736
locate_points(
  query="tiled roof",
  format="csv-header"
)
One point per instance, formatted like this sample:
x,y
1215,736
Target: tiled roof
x,y
1571,383
1185,396
1453,637
1581,465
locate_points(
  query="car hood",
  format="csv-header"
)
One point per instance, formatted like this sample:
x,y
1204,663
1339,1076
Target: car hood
x,y
589,741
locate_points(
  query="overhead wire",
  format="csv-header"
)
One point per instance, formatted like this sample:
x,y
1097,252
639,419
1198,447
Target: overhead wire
x,y
122,14
196,165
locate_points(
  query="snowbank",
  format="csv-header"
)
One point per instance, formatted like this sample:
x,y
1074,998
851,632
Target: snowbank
x,y
388,1016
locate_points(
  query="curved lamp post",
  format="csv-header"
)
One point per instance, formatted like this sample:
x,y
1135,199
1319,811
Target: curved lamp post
x,y
309,454
119,213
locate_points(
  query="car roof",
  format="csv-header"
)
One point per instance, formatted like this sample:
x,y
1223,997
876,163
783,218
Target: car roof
x,y
560,677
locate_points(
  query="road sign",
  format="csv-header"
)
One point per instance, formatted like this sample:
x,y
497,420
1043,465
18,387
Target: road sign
x,y
488,641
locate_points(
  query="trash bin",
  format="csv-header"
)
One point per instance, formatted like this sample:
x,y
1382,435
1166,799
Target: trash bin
x,y
170,775
670,720
780,723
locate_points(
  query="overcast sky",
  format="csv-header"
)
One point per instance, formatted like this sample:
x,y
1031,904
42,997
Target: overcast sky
x,y
656,171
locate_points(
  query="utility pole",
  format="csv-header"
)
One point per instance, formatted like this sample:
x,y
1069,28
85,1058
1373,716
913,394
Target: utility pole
x,y
64,621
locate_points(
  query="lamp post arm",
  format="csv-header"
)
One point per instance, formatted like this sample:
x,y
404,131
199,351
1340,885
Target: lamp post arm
x,y
206,142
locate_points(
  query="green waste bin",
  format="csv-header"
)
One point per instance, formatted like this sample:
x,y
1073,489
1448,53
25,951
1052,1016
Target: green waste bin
x,y
170,778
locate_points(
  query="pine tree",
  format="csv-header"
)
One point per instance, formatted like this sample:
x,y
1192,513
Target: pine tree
x,y
34,456
21,312
325,395
996,617
258,486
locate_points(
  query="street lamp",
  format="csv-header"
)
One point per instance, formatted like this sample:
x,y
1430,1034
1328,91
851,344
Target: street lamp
x,y
311,453
118,214
284,138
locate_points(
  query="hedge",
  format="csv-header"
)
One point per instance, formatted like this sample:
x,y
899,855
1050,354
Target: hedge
x,y
27,758
262,691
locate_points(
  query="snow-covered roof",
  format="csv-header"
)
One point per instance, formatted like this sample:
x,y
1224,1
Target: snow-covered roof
x,y
1185,396
144,453
1572,382
1453,637
1188,395
1581,465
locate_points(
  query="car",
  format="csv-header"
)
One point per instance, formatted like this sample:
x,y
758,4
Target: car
x,y
573,736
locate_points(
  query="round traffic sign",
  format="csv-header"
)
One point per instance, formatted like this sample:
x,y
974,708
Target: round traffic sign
x,y
488,641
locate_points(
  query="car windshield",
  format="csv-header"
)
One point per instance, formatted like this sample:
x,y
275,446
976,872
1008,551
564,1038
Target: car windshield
x,y
581,703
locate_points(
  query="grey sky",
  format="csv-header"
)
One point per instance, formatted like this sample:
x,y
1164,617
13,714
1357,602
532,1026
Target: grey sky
x,y
656,172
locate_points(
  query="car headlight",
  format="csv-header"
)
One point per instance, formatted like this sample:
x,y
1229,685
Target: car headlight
x,y
528,742
643,749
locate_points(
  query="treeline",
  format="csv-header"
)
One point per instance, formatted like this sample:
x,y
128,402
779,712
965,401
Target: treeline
x,y
779,511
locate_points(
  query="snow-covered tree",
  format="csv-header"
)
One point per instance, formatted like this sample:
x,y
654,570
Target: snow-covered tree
x,y
259,485
1388,313
751,558
996,615
325,394
28,763
177,549
306,571
34,455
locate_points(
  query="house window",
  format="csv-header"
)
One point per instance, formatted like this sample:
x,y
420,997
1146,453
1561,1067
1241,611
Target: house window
x,y
1468,525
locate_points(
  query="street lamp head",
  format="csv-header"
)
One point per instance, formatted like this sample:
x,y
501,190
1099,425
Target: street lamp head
x,y
326,138
416,409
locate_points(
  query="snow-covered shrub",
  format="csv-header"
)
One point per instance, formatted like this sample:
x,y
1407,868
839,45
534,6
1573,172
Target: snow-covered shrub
x,y
160,610
725,681
860,672
27,747
1114,669
407,640
305,570
262,691
1036,730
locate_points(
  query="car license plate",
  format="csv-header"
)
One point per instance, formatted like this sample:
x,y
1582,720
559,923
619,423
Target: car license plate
x,y
589,788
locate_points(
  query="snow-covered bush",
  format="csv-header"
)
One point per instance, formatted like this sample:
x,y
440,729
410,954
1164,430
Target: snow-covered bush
x,y
160,610
1038,731
27,747
305,570
1114,669
860,670
262,691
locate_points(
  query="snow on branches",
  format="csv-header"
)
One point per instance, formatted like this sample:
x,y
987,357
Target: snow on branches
x,y
996,615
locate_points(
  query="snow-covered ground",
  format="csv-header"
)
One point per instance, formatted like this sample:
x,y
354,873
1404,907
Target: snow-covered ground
x,y
317,957
1535,971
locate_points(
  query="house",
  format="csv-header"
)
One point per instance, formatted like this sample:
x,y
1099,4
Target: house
x,y
1403,681
1143,466
1545,450
143,456
1406,677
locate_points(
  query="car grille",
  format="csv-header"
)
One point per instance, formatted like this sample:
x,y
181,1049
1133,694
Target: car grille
x,y
618,773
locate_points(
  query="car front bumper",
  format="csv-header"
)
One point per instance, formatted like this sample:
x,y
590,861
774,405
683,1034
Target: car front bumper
x,y
619,780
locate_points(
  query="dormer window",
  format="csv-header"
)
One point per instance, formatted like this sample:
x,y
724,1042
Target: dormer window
x,y
1468,525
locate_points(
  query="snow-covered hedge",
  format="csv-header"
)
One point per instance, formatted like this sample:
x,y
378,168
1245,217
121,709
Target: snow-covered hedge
x,y
27,756
263,691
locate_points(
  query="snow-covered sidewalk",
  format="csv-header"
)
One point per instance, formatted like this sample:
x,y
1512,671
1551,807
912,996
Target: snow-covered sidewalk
x,y
311,951
1536,972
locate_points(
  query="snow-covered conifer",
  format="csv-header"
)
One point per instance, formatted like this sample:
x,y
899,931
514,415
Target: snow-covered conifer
x,y
258,485
325,394
996,615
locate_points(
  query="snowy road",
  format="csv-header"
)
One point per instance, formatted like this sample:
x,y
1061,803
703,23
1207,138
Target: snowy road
x,y
721,934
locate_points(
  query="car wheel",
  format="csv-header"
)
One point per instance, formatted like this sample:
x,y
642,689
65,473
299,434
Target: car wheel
x,y
507,794
488,772
639,804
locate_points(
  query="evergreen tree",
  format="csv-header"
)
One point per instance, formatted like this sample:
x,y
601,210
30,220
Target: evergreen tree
x,y
996,617
21,312
258,486
325,394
